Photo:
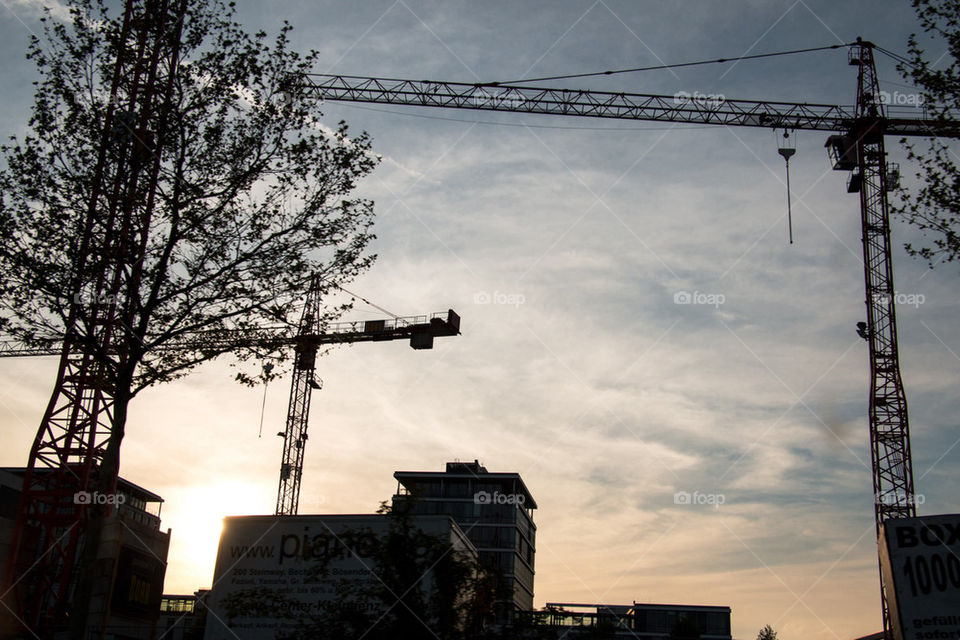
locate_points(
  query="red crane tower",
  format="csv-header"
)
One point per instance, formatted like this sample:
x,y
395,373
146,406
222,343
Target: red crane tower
x,y
70,453
858,146
70,449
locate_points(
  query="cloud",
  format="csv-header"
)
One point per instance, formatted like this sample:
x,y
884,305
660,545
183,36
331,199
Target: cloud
x,y
563,250
32,9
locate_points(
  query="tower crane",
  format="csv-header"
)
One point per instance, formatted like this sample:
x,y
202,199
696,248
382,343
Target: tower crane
x,y
857,145
311,335
420,330
71,452
72,438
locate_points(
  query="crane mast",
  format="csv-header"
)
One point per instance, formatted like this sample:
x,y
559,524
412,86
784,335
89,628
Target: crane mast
x,y
70,452
298,412
889,430
858,147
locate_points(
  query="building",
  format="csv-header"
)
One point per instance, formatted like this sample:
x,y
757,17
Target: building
x,y
495,510
131,561
183,617
637,620
654,621
274,573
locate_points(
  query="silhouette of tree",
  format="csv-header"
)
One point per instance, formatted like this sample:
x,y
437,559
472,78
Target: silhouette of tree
x,y
935,207
198,205
767,633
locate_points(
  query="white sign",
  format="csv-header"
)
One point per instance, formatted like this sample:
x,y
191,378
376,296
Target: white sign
x,y
270,563
920,561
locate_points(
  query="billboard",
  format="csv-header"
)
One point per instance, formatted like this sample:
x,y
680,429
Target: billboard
x,y
920,562
274,573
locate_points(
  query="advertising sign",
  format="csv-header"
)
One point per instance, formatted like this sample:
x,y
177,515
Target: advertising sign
x,y
268,577
920,562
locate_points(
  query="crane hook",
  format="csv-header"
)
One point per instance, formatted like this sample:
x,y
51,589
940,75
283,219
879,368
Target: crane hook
x,y
786,149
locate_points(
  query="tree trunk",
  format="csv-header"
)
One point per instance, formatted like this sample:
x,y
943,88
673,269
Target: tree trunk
x,y
86,568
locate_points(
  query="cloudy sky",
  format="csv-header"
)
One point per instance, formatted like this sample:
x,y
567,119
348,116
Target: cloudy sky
x,y
562,242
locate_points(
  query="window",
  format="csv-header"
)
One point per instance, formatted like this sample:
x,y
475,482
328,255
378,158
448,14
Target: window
x,y
457,488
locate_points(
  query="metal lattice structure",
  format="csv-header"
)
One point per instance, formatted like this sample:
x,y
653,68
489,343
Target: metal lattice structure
x,y
859,147
71,452
420,330
889,430
311,335
298,411
679,108
68,452
70,444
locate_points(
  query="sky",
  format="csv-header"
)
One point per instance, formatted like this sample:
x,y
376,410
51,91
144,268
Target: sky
x,y
563,244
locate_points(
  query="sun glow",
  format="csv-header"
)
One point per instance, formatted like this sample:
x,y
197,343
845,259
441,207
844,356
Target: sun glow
x,y
195,517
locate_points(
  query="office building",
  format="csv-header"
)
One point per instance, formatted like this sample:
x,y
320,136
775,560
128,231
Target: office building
x,y
130,566
638,620
495,510
275,574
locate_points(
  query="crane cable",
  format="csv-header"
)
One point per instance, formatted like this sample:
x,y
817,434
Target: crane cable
x,y
669,66
268,367
896,56
379,308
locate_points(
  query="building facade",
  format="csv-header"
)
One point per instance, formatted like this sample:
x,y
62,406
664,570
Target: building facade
x,y
495,510
130,566
275,574
183,617
655,621
637,620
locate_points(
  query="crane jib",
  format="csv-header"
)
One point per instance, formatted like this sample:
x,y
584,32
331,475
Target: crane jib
x,y
439,324
681,107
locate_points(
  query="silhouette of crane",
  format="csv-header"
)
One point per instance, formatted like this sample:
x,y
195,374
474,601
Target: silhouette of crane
x,y
77,423
71,452
311,335
856,146
420,330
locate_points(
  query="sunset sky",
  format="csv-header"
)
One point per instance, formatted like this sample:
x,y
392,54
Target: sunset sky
x,y
562,243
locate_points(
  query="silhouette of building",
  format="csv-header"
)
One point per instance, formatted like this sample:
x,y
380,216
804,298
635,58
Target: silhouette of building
x,y
637,620
655,621
183,617
131,560
495,510
279,558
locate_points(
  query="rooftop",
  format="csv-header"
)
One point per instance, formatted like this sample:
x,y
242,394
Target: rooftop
x,y
468,470
130,488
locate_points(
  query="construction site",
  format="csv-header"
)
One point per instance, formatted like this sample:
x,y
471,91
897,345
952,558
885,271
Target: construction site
x,y
659,311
